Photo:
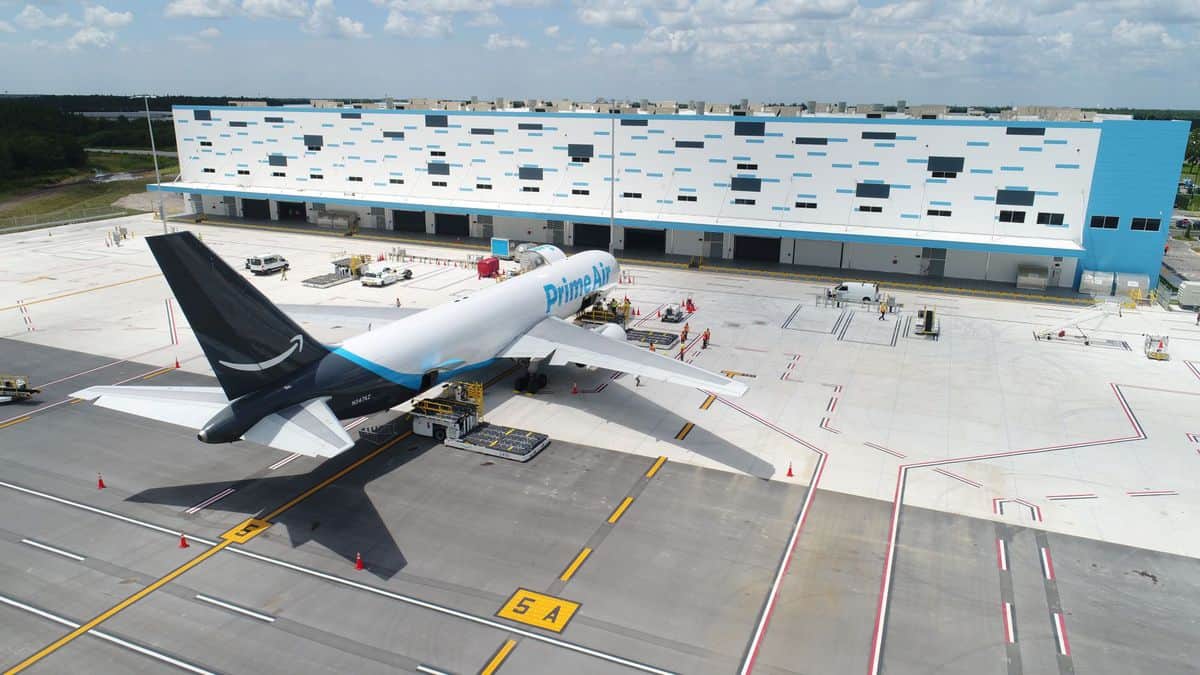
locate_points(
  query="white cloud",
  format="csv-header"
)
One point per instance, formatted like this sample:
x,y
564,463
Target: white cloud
x,y
1139,35
99,15
209,33
275,9
6,27
433,26
90,36
484,19
612,13
497,41
325,22
813,9
440,6
200,9
34,18
551,31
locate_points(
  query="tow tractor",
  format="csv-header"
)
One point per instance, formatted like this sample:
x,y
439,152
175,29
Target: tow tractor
x,y
453,418
16,388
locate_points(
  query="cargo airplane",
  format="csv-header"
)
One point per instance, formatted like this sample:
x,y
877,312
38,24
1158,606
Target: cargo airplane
x,y
281,388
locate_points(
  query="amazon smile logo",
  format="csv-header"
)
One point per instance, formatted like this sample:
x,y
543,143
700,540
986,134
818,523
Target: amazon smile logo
x,y
297,346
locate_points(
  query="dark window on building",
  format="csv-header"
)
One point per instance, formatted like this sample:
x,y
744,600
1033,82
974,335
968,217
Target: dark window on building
x,y
944,164
1012,216
929,117
316,176
689,144
806,205
1050,219
354,179
483,132
874,116
314,141
243,172
483,186
581,160
1146,224
236,123
944,174
811,140
437,153
273,120
1105,222
879,135
277,160
351,116
580,192
530,188
278,174
941,213
634,123
202,115
746,184
749,128
576,150
631,195
394,134
438,169
744,202
206,144
873,190
1025,131
529,173
439,183
436,121
1014,197
396,181
206,170
530,126
748,167
686,198
870,209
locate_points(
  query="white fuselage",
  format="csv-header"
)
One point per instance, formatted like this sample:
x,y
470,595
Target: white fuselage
x,y
472,331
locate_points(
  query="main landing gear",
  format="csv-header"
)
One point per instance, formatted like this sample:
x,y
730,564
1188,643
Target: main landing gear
x,y
530,383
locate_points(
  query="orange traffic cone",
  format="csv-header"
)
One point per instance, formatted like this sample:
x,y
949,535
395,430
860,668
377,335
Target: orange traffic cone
x,y
176,361
574,388
651,346
358,563
789,472
183,541
100,482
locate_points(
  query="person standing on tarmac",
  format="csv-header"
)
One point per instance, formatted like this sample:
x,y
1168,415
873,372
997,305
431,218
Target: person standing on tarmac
x,y
883,311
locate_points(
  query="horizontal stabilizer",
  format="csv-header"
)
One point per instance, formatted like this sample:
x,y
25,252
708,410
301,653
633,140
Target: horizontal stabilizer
x,y
563,343
190,407
308,428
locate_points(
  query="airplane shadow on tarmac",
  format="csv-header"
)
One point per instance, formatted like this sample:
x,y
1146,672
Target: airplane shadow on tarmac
x,y
629,409
339,517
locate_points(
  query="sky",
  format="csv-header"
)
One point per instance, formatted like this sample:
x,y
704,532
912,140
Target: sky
x,y
1114,53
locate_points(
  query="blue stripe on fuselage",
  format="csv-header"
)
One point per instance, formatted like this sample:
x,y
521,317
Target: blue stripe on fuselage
x,y
409,380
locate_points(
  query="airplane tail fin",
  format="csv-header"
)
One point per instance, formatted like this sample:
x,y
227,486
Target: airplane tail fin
x,y
249,342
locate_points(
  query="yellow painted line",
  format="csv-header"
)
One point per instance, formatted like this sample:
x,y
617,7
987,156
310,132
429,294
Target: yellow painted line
x,y
538,609
160,371
574,566
657,465
708,402
57,644
616,515
316,488
246,530
84,290
77,400
499,657
687,429
16,421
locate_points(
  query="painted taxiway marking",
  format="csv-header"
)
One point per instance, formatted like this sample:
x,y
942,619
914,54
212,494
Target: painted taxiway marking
x,y
1010,628
14,421
1070,497
1060,634
1152,493
620,510
683,433
235,608
575,565
30,413
246,530
58,551
880,448
498,658
27,303
210,501
430,670
657,465
146,651
107,365
156,373
283,461
708,402
1002,554
1047,564
538,609
957,477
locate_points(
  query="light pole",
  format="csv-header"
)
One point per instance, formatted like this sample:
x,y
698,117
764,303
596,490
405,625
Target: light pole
x,y
162,211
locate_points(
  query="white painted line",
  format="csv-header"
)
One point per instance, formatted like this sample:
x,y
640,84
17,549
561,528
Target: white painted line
x,y
422,668
210,501
1060,634
350,425
283,461
235,608
1009,632
1047,564
37,410
108,638
51,549
1002,554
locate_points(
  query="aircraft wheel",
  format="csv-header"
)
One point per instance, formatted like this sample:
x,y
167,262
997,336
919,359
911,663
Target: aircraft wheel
x,y
522,383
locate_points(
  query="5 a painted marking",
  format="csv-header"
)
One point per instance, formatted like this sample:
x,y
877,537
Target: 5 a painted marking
x,y
539,610
246,530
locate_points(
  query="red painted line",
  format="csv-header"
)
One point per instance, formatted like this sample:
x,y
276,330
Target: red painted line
x,y
752,349
1060,625
833,408
893,453
957,477
1152,493
1001,554
1047,564
825,425
1006,610
1195,438
1080,495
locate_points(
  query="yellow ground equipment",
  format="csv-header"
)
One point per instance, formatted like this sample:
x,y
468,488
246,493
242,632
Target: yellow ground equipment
x,y
16,388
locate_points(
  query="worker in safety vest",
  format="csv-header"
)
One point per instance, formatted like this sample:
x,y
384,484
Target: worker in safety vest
x,y
707,336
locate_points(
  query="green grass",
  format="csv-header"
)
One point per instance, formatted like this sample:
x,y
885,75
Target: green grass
x,y
16,199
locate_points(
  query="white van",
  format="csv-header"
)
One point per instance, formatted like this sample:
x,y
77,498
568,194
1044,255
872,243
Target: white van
x,y
267,264
855,291
384,276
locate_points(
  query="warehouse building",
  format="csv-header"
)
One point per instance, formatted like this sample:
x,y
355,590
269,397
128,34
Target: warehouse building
x,y
966,197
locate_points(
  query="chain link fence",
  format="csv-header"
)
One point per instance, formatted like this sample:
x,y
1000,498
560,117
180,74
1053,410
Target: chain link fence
x,y
66,217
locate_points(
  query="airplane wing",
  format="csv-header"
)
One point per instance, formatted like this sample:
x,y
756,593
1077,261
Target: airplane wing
x,y
562,342
346,314
308,428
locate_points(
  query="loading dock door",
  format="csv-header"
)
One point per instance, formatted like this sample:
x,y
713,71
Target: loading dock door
x,y
450,224
764,249
646,241
256,209
408,221
293,211
595,237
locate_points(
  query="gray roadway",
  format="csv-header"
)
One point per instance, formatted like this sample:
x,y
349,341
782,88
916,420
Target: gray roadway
x,y
676,583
